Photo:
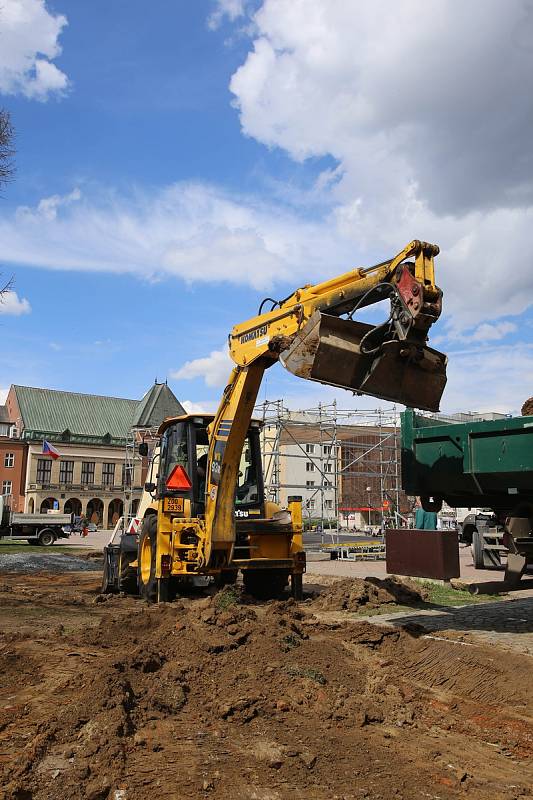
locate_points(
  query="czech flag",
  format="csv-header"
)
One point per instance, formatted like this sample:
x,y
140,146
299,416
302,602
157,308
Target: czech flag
x,y
49,450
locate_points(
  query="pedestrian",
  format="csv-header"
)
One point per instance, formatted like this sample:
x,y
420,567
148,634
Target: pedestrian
x,y
425,520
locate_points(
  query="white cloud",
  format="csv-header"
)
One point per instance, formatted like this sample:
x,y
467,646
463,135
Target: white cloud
x,y
47,207
491,332
200,407
193,231
498,378
3,396
29,37
215,369
232,9
402,96
10,303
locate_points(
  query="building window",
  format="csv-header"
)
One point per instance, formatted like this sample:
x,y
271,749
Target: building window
x,y
311,503
44,470
66,472
327,449
309,448
126,475
309,484
108,474
9,460
7,487
309,466
327,484
87,472
328,504
328,467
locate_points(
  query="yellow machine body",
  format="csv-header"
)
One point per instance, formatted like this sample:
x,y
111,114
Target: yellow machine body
x,y
315,336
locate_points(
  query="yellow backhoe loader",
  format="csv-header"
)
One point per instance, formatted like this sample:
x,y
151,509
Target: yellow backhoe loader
x,y
203,510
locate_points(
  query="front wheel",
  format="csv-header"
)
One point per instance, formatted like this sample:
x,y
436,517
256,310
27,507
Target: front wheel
x,y
46,538
146,556
127,575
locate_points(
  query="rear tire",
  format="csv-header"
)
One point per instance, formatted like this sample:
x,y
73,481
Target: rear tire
x,y
146,555
477,549
265,584
46,538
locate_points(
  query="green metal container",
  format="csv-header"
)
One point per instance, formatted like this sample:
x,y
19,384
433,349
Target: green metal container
x,y
483,464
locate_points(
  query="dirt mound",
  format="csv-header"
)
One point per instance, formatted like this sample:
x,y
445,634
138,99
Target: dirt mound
x,y
353,594
216,699
527,408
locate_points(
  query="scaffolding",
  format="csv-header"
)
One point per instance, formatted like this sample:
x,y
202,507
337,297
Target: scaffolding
x,y
132,458
354,453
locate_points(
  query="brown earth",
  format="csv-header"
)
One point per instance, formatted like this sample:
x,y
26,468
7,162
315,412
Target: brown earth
x,y
210,698
354,594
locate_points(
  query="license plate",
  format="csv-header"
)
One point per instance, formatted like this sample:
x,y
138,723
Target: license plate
x,y
173,504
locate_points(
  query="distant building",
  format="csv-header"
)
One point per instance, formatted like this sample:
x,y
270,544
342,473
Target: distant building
x,y
91,433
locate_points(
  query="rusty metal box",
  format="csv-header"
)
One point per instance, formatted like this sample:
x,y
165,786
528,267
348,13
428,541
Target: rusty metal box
x,y
423,554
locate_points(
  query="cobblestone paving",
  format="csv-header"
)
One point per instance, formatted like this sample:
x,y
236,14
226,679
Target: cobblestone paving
x,y
506,623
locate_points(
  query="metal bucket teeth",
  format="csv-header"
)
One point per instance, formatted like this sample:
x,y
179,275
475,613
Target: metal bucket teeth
x,y
327,350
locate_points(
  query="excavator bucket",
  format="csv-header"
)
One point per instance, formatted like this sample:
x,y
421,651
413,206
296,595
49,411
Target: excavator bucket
x,y
327,349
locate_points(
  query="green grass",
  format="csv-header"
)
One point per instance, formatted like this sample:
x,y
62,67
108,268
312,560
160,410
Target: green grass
x,y
227,597
306,672
440,596
448,596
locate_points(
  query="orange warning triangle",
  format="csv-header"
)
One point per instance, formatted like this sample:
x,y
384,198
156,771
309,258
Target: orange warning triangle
x,y
178,479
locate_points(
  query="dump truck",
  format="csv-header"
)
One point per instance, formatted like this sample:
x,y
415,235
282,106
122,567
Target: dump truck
x,y
204,511
42,529
488,465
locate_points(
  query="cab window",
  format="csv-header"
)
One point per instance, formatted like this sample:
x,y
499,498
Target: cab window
x,y
247,490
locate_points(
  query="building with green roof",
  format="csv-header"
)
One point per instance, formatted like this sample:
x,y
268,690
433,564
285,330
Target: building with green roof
x,y
91,433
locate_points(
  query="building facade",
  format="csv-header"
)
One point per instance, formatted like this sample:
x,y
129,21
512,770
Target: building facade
x,y
96,473
299,458
13,460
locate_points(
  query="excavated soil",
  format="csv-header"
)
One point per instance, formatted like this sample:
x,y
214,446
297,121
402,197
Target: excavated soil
x,y
355,594
210,698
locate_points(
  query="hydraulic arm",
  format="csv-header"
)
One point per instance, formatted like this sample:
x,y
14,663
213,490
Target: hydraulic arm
x,y
315,336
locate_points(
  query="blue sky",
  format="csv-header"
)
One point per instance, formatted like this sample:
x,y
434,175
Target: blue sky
x,y
177,163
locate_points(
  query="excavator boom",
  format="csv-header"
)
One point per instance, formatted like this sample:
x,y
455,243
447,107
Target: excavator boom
x,y
314,335
189,526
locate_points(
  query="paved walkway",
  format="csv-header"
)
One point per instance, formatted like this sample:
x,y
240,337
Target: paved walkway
x,y
505,623
483,580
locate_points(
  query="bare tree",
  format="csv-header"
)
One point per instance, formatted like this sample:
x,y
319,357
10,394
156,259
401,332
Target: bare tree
x,y
7,150
7,167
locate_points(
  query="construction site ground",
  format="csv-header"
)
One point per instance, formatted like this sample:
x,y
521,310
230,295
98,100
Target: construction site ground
x,y
355,693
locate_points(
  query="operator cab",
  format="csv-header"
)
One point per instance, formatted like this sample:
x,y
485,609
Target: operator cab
x,y
181,471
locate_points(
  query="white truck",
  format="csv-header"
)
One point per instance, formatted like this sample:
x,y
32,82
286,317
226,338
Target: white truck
x,y
42,529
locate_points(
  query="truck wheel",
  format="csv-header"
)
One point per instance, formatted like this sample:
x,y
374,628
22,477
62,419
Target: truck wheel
x,y
146,579
477,549
467,534
46,538
265,584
